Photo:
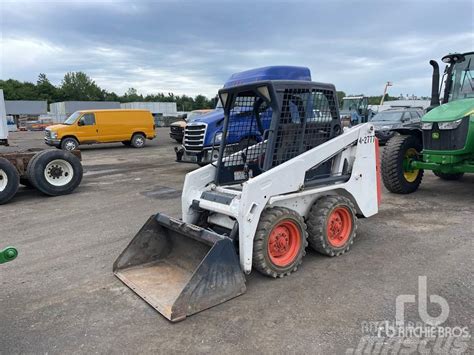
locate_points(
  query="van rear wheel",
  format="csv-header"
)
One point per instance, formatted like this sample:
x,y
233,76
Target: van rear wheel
x,y
138,140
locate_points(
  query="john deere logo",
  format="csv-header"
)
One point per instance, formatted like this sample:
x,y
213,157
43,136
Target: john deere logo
x,y
435,135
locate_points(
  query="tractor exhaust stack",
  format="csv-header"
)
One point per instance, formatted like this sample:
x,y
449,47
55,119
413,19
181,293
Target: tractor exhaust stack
x,y
180,269
434,85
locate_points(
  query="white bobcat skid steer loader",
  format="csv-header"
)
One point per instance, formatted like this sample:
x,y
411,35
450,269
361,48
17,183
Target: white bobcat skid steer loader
x,y
260,204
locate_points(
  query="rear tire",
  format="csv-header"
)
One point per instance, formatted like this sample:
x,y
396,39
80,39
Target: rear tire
x,y
55,173
449,177
332,225
280,242
138,140
395,178
9,181
69,144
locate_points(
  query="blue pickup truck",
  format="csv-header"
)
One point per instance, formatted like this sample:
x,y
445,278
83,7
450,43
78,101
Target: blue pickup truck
x,y
202,136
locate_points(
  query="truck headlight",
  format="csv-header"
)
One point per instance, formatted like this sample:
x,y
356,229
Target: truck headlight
x,y
427,125
450,125
218,137
54,135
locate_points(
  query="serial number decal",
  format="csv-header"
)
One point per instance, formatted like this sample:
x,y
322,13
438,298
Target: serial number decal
x,y
367,140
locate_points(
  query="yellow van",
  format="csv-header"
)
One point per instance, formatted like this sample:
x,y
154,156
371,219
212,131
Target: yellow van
x,y
131,127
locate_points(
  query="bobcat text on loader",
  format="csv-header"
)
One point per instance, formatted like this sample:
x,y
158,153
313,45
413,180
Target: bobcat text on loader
x,y
259,207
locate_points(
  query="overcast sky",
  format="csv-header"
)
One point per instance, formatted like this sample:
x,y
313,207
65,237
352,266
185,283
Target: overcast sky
x,y
191,47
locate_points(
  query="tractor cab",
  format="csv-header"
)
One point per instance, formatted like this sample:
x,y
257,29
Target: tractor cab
x,y
355,110
459,73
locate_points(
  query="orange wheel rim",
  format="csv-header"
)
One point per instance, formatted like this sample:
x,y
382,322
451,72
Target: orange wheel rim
x,y
284,243
339,227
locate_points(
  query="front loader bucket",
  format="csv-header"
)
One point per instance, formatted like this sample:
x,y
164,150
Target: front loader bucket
x,y
180,269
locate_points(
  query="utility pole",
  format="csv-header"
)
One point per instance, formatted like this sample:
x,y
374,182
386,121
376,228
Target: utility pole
x,y
389,83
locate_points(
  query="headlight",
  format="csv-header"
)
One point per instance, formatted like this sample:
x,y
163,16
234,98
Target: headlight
x,y
54,135
384,128
427,125
450,125
218,137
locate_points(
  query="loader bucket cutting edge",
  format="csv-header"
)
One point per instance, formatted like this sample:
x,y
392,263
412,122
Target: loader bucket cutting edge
x,y
180,269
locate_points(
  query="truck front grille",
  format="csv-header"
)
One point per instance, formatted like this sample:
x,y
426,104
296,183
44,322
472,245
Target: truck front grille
x,y
449,139
194,136
47,134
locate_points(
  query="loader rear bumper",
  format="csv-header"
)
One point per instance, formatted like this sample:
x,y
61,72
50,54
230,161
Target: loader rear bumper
x,y
180,269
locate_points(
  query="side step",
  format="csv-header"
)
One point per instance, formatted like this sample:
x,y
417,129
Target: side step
x,y
179,268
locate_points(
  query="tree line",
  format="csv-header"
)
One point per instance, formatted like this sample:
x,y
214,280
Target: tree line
x,y
77,86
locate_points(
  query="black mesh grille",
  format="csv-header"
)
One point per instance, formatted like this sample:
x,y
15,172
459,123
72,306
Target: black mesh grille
x,y
265,135
446,139
306,119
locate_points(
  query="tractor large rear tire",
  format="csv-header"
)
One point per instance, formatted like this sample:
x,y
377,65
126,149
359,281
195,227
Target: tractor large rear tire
x,y
395,178
9,181
332,225
54,172
449,177
280,242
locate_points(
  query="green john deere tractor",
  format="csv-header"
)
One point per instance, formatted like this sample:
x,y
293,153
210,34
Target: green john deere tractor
x,y
444,143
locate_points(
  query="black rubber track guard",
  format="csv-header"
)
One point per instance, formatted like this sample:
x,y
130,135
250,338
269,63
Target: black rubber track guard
x,y
180,269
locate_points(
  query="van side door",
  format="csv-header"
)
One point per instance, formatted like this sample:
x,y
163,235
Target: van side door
x,y
87,129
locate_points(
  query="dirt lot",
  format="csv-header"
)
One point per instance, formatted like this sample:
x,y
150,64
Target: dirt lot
x,y
60,294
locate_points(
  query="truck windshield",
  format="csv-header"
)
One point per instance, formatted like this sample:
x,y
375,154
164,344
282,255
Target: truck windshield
x,y
386,116
71,119
463,79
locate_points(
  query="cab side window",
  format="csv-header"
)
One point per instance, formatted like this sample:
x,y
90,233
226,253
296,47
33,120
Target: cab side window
x,y
87,120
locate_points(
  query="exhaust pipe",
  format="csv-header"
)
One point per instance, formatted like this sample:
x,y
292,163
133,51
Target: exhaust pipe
x,y
434,86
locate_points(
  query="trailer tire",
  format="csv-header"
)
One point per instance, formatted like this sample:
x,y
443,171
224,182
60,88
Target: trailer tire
x,y
55,173
138,140
69,144
449,177
9,181
280,242
332,225
395,178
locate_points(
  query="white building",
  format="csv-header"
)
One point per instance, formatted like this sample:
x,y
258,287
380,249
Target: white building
x,y
156,108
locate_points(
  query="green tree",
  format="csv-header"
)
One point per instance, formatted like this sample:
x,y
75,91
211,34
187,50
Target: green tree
x,y
78,86
131,95
340,96
46,90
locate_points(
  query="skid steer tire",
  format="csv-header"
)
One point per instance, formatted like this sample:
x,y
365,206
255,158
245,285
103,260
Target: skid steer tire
x,y
397,149
55,173
449,177
9,181
332,225
280,242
